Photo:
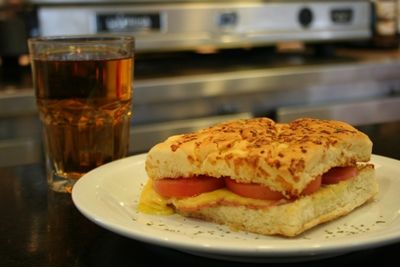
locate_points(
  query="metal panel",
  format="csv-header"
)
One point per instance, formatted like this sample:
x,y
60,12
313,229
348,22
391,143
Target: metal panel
x,y
355,113
233,24
145,136
20,151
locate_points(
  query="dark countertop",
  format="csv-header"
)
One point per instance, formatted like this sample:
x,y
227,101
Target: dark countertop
x,y
42,228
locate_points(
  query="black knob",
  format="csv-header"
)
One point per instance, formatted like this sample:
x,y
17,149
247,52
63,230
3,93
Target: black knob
x,y
305,17
228,19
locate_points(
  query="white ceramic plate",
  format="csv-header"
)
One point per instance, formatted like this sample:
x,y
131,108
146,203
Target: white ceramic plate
x,y
109,196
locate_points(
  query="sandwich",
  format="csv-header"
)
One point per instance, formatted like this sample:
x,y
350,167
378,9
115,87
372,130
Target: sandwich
x,y
260,176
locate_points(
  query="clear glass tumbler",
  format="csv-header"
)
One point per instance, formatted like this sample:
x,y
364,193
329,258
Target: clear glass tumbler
x,y
83,87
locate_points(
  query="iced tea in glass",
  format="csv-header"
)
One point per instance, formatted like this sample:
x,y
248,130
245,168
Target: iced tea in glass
x,y
83,87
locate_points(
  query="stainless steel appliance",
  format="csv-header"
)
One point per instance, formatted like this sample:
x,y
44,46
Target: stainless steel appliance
x,y
169,98
177,25
201,62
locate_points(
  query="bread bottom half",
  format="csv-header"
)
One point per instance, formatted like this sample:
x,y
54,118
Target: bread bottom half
x,y
291,219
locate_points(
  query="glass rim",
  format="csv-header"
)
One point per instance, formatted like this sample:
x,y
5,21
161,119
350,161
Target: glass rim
x,y
80,39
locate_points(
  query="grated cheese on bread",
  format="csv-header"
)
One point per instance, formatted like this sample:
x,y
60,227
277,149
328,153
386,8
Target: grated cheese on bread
x,y
283,157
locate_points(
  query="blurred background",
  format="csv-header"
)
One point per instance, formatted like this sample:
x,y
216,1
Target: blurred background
x,y
202,62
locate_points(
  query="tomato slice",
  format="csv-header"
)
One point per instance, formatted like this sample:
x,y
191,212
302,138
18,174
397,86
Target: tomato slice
x,y
313,186
187,187
252,190
337,174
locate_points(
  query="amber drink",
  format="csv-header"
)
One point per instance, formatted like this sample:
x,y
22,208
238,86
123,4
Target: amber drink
x,y
83,89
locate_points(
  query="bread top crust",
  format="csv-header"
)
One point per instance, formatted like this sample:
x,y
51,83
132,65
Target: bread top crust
x,y
284,157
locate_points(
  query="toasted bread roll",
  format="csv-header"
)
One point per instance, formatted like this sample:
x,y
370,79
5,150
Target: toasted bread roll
x,y
284,157
289,161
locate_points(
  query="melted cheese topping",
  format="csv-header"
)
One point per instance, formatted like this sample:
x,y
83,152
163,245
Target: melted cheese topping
x,y
152,203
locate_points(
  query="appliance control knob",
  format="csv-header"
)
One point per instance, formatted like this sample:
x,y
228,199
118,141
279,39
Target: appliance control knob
x,y
228,19
305,17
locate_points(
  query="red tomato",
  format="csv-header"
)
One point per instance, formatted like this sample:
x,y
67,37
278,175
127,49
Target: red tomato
x,y
252,190
337,174
187,187
312,186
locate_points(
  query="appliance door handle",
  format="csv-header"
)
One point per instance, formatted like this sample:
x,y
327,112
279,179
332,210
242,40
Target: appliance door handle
x,y
143,137
356,113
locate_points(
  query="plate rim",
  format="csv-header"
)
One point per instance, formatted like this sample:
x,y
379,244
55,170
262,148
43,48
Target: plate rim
x,y
308,248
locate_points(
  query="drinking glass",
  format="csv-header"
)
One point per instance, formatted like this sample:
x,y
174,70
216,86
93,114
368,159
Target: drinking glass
x,y
83,87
